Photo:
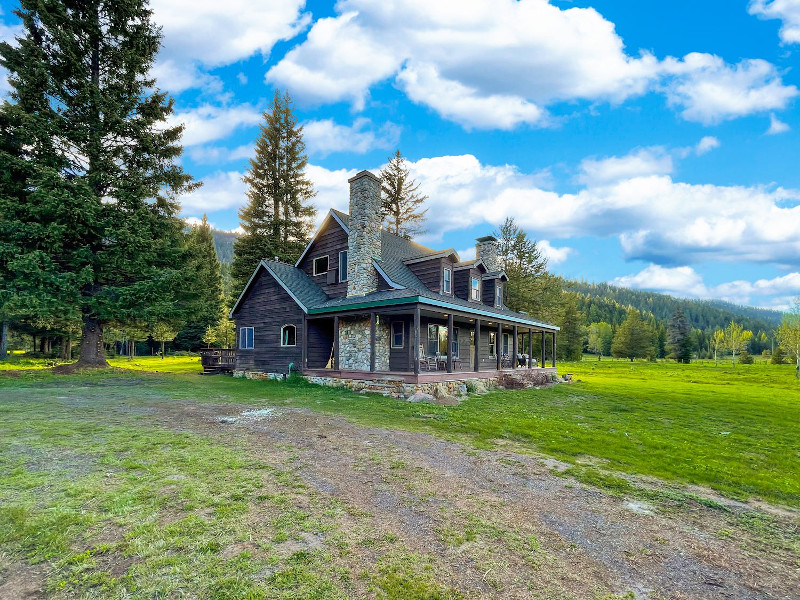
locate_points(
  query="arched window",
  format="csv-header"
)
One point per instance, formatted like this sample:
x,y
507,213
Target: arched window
x,y
288,335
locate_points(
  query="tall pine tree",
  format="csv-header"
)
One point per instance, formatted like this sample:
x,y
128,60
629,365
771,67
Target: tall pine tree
x,y
402,203
94,233
634,338
277,218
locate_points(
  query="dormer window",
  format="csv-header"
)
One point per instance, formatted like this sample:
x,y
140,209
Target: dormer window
x,y
320,265
498,295
475,289
343,265
447,281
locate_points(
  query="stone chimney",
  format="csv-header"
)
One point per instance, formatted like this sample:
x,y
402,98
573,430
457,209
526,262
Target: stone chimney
x,y
488,250
364,242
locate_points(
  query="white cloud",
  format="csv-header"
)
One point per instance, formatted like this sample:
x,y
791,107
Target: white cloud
x,y
502,55
685,282
656,219
555,256
500,64
207,123
219,33
707,144
221,190
464,105
339,60
710,91
200,34
788,11
325,136
776,126
681,281
643,162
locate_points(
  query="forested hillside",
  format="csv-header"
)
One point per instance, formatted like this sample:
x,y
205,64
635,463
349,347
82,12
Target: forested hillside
x,y
605,302
223,242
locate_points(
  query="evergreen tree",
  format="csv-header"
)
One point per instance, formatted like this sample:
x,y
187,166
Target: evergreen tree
x,y
402,202
530,287
679,337
778,357
278,215
89,230
207,282
634,338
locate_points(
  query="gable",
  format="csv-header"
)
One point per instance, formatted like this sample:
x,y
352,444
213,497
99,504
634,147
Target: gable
x,y
329,241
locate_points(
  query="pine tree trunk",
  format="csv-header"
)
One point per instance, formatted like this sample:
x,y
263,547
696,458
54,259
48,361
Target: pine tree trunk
x,y
92,353
4,340
66,348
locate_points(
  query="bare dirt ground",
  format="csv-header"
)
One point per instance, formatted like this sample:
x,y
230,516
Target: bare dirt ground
x,y
477,512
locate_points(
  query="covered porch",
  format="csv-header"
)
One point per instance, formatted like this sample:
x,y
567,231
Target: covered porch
x,y
418,343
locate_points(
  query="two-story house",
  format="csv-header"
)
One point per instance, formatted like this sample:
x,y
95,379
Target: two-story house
x,y
362,303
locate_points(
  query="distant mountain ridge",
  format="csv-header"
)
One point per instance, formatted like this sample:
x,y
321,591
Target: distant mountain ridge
x,y
606,302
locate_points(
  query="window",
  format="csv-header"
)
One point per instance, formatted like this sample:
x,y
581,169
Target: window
x,y
433,340
246,338
492,344
455,348
498,296
447,281
288,335
476,289
343,265
320,265
506,343
398,331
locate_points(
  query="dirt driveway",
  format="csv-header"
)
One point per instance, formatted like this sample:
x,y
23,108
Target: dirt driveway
x,y
502,524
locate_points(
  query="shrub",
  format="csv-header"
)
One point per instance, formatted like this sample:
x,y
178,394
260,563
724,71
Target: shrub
x,y
745,358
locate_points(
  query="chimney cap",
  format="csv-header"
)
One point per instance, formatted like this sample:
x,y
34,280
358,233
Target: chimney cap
x,y
486,238
361,174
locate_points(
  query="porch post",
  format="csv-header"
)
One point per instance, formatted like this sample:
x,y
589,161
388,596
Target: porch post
x,y
415,339
304,349
336,343
515,348
554,349
530,348
498,346
543,363
372,342
477,358
449,365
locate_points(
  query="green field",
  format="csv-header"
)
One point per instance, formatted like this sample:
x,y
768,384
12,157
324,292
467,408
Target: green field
x,y
731,429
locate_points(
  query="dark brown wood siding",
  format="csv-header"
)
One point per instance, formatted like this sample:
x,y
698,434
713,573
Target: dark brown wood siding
x,y
267,308
461,282
329,242
488,291
429,273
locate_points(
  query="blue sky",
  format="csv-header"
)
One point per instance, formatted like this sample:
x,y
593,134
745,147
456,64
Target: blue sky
x,y
652,145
